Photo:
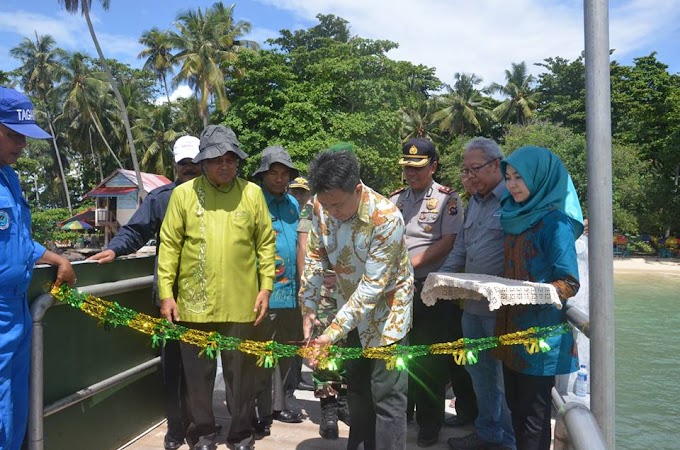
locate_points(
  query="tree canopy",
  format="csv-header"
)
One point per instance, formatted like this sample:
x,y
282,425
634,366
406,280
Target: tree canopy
x,y
310,88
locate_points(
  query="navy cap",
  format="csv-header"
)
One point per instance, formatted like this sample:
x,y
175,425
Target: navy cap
x,y
16,113
418,152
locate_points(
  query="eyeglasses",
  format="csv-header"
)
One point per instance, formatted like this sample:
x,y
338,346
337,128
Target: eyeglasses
x,y
474,170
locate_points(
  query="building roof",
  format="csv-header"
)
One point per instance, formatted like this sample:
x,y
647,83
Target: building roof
x,y
122,182
86,216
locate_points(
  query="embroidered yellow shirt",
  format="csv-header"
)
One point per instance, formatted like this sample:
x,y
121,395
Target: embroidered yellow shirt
x,y
221,246
374,274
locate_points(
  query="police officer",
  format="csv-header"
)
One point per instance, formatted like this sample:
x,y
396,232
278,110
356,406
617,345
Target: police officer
x,y
18,254
145,224
433,215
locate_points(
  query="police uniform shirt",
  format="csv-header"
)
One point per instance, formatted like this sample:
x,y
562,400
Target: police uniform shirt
x,y
428,215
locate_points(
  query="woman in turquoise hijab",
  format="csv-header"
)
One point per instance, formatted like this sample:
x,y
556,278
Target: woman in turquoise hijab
x,y
541,218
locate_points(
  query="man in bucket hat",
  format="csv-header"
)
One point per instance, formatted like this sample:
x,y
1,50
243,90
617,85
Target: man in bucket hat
x,y
145,224
18,254
274,174
217,230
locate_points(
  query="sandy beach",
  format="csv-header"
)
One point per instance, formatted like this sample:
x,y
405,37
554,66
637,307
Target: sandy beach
x,y
646,265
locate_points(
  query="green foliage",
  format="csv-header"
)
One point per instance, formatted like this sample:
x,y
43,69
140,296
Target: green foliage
x,y
450,162
316,86
641,247
45,226
563,93
325,88
629,178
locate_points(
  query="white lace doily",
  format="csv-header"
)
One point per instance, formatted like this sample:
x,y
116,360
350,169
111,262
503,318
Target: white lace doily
x,y
498,290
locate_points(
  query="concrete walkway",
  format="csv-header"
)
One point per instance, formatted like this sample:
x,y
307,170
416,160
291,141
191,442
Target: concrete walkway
x,y
299,436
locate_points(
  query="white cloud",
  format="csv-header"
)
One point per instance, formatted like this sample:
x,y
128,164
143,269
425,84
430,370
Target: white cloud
x,y
182,91
486,36
260,35
70,32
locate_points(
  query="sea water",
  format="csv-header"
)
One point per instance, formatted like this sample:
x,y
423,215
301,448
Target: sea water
x,y
647,309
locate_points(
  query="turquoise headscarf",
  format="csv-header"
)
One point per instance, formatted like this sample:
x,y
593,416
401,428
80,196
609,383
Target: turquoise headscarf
x,y
550,188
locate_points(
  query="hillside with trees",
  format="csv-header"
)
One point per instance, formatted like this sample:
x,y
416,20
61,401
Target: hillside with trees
x,y
307,89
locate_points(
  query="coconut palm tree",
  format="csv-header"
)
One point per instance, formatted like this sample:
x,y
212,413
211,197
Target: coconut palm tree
x,y
416,122
522,97
158,54
460,110
208,44
87,104
6,79
72,6
41,69
156,132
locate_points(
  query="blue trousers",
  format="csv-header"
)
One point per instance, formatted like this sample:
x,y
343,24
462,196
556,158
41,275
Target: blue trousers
x,y
15,355
493,423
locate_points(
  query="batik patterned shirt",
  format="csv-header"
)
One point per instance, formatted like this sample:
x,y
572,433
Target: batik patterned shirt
x,y
369,256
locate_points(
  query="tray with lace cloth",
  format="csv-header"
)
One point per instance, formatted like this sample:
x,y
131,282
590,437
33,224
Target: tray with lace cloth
x,y
498,290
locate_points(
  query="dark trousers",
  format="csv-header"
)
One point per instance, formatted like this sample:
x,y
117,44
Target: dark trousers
x,y
283,326
428,375
377,402
529,401
272,395
240,376
294,375
175,390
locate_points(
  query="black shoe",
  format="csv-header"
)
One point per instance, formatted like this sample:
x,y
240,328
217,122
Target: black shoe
x,y
171,442
205,447
472,442
427,438
328,427
343,409
304,386
457,421
287,416
244,447
262,429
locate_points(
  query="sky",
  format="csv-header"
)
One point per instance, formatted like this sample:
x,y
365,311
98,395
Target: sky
x,y
482,37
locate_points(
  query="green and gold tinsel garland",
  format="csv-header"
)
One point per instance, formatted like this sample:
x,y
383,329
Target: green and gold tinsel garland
x,y
464,351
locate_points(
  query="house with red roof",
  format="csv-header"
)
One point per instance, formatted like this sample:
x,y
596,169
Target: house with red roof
x,y
117,197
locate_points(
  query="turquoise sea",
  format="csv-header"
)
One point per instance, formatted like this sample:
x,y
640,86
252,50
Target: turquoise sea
x,y
647,361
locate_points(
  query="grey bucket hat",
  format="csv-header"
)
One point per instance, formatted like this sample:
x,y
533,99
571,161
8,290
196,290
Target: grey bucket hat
x,y
275,154
216,140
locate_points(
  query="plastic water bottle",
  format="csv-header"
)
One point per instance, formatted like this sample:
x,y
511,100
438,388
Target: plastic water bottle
x,y
581,384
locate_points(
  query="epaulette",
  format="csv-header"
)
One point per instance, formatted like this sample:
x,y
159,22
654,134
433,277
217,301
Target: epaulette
x,y
446,190
398,191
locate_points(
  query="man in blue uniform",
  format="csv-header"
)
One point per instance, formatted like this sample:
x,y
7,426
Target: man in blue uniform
x,y
18,254
144,225
274,174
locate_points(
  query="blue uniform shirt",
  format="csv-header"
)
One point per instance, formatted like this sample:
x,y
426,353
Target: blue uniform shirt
x,y
18,251
285,214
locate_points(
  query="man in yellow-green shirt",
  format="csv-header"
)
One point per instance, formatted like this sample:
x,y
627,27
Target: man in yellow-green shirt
x,y
218,244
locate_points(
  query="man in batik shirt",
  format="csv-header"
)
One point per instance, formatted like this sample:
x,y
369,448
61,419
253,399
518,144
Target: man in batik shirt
x,y
359,234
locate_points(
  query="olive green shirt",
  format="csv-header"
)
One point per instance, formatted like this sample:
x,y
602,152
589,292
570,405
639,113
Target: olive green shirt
x,y
220,244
